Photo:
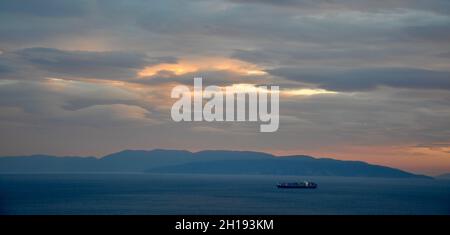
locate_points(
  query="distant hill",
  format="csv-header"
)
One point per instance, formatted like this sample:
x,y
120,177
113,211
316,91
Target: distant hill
x,y
444,176
208,162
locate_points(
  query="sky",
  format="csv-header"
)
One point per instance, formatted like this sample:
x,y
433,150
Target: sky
x,y
359,79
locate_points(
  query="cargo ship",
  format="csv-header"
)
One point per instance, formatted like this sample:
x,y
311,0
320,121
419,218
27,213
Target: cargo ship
x,y
304,184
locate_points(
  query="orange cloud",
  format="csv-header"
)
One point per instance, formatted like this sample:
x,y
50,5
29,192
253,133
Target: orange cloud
x,y
193,65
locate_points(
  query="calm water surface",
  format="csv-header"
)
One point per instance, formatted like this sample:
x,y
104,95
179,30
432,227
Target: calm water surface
x,y
217,194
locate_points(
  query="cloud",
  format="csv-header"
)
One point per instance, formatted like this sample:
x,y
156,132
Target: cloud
x,y
103,70
444,54
216,26
384,116
435,33
45,8
317,55
106,115
210,77
369,78
439,6
51,62
47,97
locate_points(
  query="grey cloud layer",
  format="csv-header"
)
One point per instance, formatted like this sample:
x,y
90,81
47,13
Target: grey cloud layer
x,y
347,21
368,79
53,62
45,8
439,6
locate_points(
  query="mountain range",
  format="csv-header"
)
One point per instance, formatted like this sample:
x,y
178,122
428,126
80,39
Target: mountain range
x,y
203,162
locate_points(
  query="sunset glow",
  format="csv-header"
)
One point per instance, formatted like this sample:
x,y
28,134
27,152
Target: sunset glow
x,y
208,64
357,80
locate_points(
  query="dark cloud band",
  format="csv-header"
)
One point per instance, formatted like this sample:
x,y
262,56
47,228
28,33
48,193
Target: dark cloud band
x,y
368,79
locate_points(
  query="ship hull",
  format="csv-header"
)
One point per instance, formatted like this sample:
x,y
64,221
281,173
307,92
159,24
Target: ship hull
x,y
305,187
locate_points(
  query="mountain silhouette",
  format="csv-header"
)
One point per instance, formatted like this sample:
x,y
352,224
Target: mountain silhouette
x,y
203,162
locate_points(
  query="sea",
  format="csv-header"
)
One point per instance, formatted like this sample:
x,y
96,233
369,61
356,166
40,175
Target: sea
x,y
180,194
